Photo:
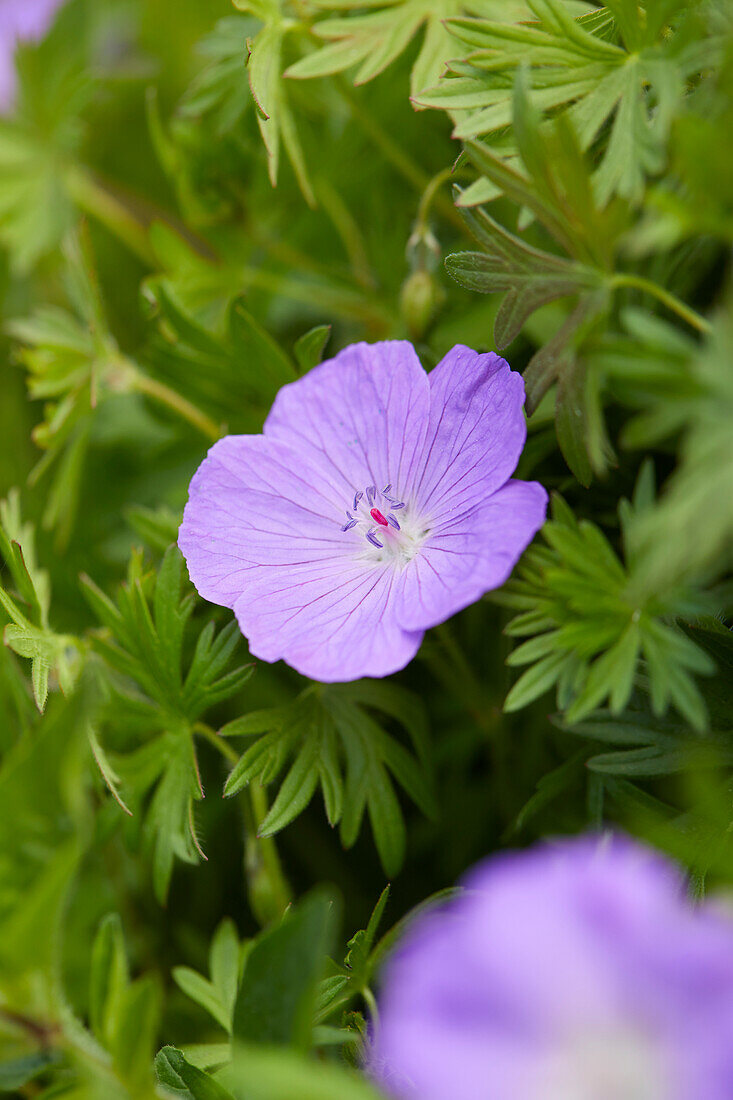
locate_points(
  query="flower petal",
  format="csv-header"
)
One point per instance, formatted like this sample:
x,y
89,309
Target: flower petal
x,y
470,555
253,502
358,419
329,623
475,436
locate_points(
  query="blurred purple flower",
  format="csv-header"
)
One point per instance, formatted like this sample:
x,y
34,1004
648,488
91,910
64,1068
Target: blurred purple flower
x,y
375,504
573,972
20,21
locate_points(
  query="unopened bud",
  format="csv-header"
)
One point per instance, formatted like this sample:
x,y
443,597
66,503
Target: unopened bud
x,y
420,300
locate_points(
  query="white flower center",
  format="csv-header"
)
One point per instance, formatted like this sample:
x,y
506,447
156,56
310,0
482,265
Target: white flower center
x,y
610,1065
389,531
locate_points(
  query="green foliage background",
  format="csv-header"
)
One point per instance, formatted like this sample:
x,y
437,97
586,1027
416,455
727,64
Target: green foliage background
x,y
197,203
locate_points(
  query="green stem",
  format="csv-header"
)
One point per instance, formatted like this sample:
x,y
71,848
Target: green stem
x,y
431,194
91,196
269,892
392,151
396,156
128,218
151,387
371,1002
638,282
222,746
458,675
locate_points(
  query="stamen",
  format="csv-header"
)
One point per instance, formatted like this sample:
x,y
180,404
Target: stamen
x,y
365,509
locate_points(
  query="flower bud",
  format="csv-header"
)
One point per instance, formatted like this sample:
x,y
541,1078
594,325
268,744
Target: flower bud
x,y
420,299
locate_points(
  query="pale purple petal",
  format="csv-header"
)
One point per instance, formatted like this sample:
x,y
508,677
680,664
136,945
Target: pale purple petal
x,y
359,419
577,970
330,625
254,502
470,555
476,432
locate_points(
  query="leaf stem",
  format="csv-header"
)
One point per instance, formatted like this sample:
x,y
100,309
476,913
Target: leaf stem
x,y
393,153
151,387
220,744
268,889
431,194
463,682
129,218
91,196
638,282
269,892
371,1002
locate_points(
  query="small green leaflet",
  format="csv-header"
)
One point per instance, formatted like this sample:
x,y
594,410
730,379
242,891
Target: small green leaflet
x,y
333,741
589,627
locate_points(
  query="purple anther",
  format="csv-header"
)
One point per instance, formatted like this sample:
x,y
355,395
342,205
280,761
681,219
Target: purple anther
x,y
371,492
392,521
372,538
357,498
349,525
397,504
385,490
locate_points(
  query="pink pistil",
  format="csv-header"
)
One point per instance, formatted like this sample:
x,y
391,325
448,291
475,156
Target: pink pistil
x,y
378,517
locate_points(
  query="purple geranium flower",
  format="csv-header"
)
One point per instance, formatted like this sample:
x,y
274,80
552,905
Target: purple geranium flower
x,y
574,972
376,503
20,21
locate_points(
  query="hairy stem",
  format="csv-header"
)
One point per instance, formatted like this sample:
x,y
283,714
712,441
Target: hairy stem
x,y
457,674
267,887
432,195
158,391
396,156
91,196
638,282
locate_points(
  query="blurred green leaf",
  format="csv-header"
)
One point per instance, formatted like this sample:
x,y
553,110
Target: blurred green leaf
x,y
183,1079
31,637
277,992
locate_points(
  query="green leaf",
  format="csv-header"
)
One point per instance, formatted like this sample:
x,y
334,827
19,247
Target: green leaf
x,y
375,38
646,762
109,978
594,622
277,991
32,637
175,1073
274,113
251,340
387,822
529,277
258,1074
535,681
135,1030
333,741
18,1072
203,992
571,419
620,97
310,346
